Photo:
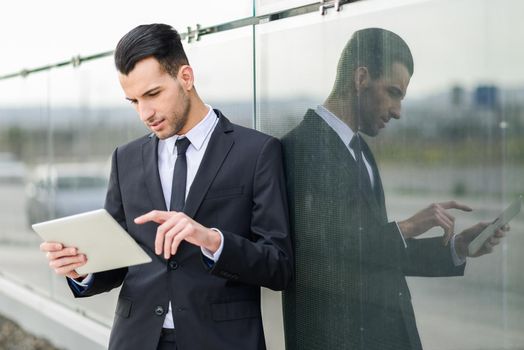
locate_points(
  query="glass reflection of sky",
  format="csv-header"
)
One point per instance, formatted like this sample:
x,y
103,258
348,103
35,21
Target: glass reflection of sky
x,y
453,42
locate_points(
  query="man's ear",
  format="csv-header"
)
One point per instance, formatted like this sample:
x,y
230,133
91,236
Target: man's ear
x,y
185,77
361,78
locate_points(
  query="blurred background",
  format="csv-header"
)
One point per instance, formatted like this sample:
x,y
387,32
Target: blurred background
x,y
264,63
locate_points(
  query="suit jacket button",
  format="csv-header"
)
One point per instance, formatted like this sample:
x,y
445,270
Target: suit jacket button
x,y
173,265
159,310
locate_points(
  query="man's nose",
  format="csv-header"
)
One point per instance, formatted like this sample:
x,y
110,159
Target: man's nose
x,y
395,111
145,111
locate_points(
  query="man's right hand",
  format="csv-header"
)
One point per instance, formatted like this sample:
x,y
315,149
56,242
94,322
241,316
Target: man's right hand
x,y
434,215
64,260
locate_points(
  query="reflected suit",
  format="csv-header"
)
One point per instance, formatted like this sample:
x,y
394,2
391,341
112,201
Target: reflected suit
x,y
239,188
350,290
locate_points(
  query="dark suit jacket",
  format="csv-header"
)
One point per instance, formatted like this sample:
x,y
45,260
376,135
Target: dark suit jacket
x,y
350,290
239,189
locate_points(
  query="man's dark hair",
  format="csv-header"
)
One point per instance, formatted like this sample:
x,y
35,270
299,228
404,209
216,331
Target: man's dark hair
x,y
160,41
374,48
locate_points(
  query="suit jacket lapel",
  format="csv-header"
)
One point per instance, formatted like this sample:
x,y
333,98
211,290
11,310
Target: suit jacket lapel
x,y
329,143
217,150
334,145
151,175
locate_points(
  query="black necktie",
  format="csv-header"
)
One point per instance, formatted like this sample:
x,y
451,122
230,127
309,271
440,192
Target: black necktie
x,y
363,175
178,190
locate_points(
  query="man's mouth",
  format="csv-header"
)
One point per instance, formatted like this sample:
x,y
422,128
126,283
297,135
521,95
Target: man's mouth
x,y
156,125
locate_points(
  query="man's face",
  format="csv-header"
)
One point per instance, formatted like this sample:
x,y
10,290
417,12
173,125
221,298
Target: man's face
x,y
159,99
380,99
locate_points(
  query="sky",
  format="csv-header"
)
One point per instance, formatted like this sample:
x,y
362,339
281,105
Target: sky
x,y
35,33
465,42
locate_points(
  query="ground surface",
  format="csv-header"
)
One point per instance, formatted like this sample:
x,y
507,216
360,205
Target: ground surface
x,y
12,337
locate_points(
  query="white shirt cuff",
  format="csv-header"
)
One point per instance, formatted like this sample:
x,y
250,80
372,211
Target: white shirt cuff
x,y
215,256
85,282
457,260
401,235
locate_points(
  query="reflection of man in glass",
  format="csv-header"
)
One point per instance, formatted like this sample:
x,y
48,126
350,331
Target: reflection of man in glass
x,y
350,290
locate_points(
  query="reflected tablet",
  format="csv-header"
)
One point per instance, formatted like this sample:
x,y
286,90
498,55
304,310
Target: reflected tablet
x,y
97,235
492,228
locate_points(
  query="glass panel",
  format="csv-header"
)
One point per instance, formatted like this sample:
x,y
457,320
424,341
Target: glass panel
x,y
70,120
223,66
58,132
90,118
72,31
263,7
209,12
459,138
24,140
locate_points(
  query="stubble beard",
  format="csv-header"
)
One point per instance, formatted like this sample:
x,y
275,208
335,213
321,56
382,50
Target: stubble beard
x,y
364,118
181,120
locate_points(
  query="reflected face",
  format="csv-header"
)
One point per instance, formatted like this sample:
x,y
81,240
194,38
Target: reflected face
x,y
159,98
380,99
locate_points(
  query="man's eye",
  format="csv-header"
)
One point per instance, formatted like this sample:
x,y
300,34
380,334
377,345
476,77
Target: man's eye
x,y
153,93
133,102
395,92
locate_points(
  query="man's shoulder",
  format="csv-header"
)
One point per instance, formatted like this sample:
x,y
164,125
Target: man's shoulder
x,y
307,129
136,143
244,135
249,134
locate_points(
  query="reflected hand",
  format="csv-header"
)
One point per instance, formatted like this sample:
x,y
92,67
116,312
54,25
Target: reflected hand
x,y
463,239
64,260
434,215
176,227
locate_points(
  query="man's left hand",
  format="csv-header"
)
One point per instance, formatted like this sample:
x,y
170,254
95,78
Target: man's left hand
x,y
176,227
464,238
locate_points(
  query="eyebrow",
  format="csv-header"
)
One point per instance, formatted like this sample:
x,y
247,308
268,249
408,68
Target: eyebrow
x,y
145,93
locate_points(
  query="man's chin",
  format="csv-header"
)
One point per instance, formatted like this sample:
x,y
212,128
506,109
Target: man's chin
x,y
168,131
163,134
370,132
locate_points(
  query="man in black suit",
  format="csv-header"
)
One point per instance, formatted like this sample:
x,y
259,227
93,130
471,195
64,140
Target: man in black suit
x,y
350,290
226,231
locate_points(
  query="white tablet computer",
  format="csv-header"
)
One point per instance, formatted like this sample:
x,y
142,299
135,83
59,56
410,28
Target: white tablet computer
x,y
504,218
97,235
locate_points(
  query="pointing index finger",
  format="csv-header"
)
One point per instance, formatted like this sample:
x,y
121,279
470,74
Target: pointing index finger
x,y
155,215
455,205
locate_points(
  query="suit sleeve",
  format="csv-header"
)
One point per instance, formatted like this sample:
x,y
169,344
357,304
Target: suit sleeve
x,y
266,259
427,257
107,280
424,257
378,244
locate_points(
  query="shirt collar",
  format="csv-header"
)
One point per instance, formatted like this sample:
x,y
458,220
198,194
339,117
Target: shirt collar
x,y
341,129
